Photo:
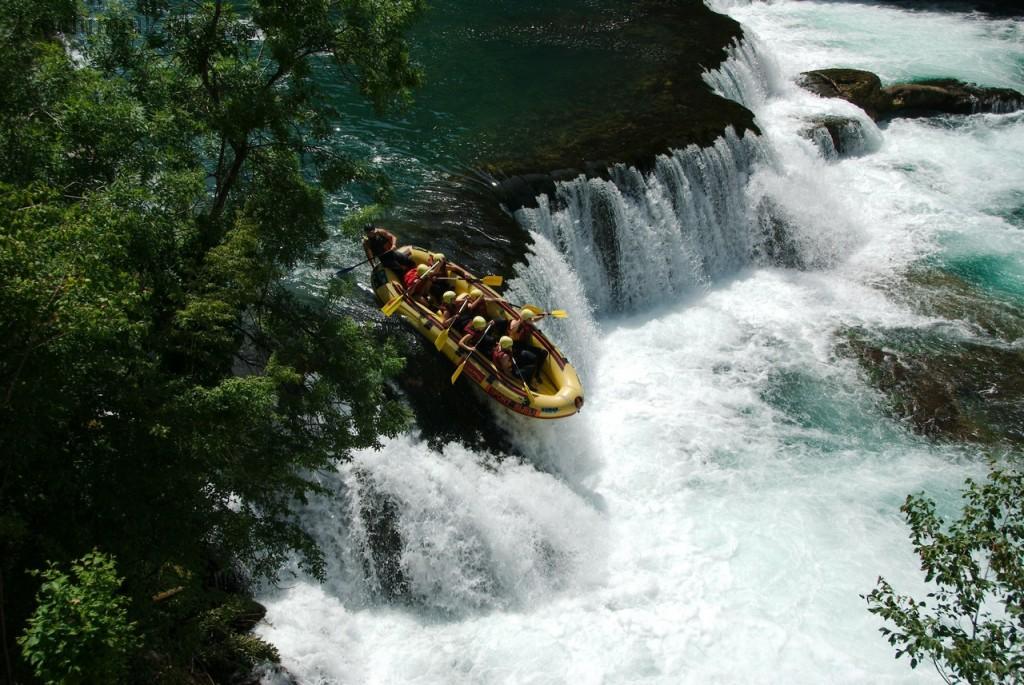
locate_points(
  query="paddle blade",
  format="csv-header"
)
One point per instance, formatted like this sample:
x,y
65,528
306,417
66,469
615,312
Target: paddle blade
x,y
442,339
458,370
559,313
492,280
392,305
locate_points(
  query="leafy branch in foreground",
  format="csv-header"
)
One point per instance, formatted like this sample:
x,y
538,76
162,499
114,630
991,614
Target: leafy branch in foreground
x,y
80,632
971,625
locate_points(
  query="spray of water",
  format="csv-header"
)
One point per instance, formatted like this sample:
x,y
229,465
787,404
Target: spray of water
x,y
732,485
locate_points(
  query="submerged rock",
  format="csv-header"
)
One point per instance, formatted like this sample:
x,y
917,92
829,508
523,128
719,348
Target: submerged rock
x,y
945,387
839,137
777,246
918,99
382,560
935,292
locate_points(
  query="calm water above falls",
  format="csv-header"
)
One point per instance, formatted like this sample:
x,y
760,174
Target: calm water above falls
x,y
733,484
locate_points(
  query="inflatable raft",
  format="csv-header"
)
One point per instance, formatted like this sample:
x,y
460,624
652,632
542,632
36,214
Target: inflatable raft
x,y
556,391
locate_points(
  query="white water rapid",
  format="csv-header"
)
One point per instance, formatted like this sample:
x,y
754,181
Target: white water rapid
x,y
733,483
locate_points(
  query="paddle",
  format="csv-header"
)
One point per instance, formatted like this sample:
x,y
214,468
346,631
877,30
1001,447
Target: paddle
x,y
526,386
442,337
458,369
393,303
554,313
341,272
491,280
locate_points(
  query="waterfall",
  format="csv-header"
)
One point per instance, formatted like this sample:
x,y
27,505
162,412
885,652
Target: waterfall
x,y
732,485
838,137
454,532
637,239
749,75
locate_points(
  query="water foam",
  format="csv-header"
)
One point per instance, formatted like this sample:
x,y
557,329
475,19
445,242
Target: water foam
x,y
732,484
636,240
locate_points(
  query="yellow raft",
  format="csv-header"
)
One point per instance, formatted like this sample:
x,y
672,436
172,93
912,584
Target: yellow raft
x,y
557,393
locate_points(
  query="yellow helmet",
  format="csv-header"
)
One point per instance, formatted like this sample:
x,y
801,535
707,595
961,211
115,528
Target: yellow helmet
x,y
505,342
422,269
437,256
479,323
475,293
448,297
527,314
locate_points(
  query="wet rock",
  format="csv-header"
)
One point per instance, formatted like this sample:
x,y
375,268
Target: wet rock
x,y
839,137
934,292
777,246
919,99
862,88
945,387
383,563
948,96
249,613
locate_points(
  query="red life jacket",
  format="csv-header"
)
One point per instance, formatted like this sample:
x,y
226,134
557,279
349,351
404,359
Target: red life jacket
x,y
409,278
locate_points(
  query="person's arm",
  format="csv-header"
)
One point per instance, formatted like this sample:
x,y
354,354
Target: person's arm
x,y
368,252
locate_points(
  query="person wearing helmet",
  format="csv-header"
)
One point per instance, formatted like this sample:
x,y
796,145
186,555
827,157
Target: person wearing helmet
x,y
439,276
501,355
449,307
419,280
529,357
463,314
473,334
446,269
475,306
381,244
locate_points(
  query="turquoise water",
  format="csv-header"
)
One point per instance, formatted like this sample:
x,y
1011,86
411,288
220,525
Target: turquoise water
x,y
499,76
733,484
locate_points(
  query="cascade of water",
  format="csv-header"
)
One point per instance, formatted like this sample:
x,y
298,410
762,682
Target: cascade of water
x,y
548,281
748,487
453,532
749,75
634,240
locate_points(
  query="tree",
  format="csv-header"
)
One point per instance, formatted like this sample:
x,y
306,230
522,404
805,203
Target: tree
x,y
971,626
80,632
165,393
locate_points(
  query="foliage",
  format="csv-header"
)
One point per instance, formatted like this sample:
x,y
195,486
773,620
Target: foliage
x,y
80,632
160,378
224,647
971,626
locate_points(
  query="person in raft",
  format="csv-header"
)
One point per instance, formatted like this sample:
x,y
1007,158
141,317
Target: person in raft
x,y
474,306
505,360
449,308
477,336
419,281
521,332
441,275
502,356
381,244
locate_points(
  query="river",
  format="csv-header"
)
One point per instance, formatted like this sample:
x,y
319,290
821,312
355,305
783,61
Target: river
x,y
733,484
